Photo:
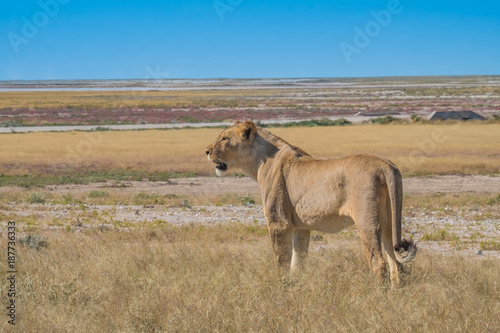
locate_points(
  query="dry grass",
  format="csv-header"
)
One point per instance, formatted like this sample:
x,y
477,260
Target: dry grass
x,y
416,149
199,279
114,195
155,151
451,200
152,98
425,149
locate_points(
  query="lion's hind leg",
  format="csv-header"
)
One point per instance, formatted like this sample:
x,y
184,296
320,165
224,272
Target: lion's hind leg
x,y
373,254
300,242
387,238
367,219
394,265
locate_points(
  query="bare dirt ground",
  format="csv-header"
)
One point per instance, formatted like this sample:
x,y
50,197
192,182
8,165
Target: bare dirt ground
x,y
458,229
244,185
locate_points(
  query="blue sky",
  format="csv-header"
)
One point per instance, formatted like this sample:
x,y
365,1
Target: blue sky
x,y
86,39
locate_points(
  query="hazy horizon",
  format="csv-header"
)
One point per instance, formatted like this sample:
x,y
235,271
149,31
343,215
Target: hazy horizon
x,y
269,78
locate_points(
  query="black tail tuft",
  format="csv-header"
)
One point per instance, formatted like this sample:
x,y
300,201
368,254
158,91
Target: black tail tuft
x,y
405,250
405,245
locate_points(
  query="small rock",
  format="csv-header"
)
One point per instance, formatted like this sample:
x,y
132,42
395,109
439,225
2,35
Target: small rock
x,y
78,223
320,248
479,252
316,238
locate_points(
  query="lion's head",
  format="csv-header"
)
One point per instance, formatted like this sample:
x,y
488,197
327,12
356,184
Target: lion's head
x,y
232,148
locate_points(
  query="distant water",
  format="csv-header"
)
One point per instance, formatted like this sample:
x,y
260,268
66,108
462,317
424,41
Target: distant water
x,y
165,84
278,83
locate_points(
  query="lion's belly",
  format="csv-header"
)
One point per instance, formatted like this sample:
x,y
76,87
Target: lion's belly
x,y
323,216
330,224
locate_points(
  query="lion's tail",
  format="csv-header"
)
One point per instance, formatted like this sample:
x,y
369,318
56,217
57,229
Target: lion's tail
x,y
404,250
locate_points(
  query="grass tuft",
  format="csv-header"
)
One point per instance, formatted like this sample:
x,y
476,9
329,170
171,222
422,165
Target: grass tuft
x,y
387,119
35,242
440,235
494,200
35,198
98,194
491,245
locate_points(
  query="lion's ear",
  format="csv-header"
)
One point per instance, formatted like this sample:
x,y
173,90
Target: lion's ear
x,y
247,130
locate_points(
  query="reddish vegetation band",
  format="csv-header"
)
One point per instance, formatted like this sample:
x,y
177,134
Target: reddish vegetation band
x,y
126,115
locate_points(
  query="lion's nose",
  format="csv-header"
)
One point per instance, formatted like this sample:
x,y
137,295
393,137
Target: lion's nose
x,y
206,151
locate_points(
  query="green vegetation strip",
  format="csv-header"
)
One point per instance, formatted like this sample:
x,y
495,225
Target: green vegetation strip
x,y
311,123
86,177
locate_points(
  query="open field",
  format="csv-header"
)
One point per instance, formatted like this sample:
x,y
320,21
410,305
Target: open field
x,y
193,254
462,213
215,101
462,148
163,278
127,257
233,97
110,239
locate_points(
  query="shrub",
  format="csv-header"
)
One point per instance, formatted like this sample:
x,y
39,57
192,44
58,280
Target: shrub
x,y
383,120
101,129
311,123
494,200
68,199
185,204
35,242
415,118
144,198
98,194
247,200
35,198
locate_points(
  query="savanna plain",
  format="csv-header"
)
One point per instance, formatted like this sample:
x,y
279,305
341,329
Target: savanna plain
x,y
129,231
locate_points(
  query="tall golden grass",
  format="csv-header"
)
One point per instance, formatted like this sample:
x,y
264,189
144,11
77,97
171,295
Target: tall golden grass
x,y
156,277
223,279
416,149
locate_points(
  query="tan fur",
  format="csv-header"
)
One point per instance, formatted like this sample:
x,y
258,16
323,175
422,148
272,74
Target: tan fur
x,y
300,194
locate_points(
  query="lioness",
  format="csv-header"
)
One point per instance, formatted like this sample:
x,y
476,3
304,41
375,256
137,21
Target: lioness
x,y
300,194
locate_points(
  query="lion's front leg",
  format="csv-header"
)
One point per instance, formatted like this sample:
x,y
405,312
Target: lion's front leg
x,y
278,210
282,246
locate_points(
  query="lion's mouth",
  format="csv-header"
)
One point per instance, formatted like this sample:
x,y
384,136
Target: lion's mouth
x,y
220,164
